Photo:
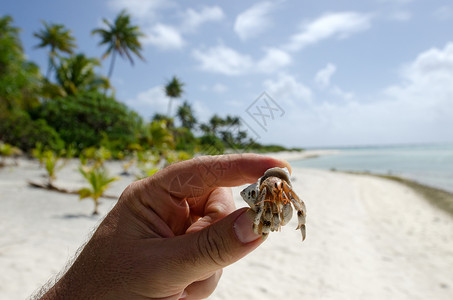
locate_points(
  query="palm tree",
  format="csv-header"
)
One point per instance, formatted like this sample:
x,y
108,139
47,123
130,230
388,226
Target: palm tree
x,y
161,117
99,181
173,90
58,38
76,73
121,37
186,116
216,122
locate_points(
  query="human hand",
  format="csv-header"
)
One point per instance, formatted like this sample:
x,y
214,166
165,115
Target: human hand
x,y
169,235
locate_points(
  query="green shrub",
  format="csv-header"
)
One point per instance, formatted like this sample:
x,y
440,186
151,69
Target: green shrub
x,y
18,129
185,140
212,145
92,119
99,181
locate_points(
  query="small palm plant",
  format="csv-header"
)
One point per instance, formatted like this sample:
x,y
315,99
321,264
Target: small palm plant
x,y
7,150
52,165
38,153
99,181
95,156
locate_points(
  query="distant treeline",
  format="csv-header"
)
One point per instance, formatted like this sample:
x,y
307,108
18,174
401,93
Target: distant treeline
x,y
72,107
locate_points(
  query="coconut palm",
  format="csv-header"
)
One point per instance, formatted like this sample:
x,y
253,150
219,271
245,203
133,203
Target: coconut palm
x,y
186,116
161,117
76,73
216,122
99,181
205,128
58,38
121,37
173,90
7,150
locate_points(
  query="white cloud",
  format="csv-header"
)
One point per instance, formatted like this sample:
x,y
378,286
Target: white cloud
x,y
323,80
224,60
401,16
150,102
254,20
418,109
431,65
164,37
337,91
201,111
443,13
142,9
193,19
154,100
322,77
286,90
219,88
427,91
333,25
273,60
398,2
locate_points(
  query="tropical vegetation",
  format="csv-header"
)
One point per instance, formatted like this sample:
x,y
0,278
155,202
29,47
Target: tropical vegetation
x,y
70,112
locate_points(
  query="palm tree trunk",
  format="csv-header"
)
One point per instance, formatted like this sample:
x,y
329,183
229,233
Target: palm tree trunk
x,y
49,68
169,106
112,64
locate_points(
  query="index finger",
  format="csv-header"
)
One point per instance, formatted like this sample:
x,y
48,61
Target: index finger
x,y
200,175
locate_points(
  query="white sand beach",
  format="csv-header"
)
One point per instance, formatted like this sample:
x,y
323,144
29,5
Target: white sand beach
x,y
367,238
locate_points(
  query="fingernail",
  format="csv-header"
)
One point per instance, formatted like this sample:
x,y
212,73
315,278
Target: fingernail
x,y
243,228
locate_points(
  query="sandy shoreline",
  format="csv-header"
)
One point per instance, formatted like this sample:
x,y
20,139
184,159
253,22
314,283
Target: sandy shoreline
x,y
297,155
367,238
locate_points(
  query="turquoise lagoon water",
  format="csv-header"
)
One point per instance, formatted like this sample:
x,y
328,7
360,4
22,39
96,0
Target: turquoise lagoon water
x,y
427,164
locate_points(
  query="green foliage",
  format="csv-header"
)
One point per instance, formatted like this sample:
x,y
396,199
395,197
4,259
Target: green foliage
x,y
99,181
185,140
160,136
148,156
7,150
19,79
76,74
95,156
212,145
52,164
58,39
186,115
146,170
173,90
176,156
38,153
18,129
86,119
121,37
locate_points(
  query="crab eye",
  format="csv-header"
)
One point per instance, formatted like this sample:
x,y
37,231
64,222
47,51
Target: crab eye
x,y
253,194
276,185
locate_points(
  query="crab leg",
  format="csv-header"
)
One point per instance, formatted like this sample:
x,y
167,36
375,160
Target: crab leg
x,y
299,205
267,217
259,208
275,216
286,211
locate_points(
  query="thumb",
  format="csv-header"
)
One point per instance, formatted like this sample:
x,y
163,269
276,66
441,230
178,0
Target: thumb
x,y
217,245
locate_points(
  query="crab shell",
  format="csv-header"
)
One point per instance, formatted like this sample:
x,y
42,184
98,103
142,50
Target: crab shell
x,y
259,196
250,193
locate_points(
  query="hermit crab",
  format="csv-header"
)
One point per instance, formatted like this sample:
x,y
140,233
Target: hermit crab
x,y
271,198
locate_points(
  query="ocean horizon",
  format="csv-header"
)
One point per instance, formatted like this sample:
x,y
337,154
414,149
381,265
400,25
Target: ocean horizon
x,y
429,164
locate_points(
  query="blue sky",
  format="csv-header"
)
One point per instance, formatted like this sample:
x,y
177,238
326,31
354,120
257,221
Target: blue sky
x,y
337,72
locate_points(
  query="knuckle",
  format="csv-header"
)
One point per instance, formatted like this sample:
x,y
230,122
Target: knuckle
x,y
214,247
